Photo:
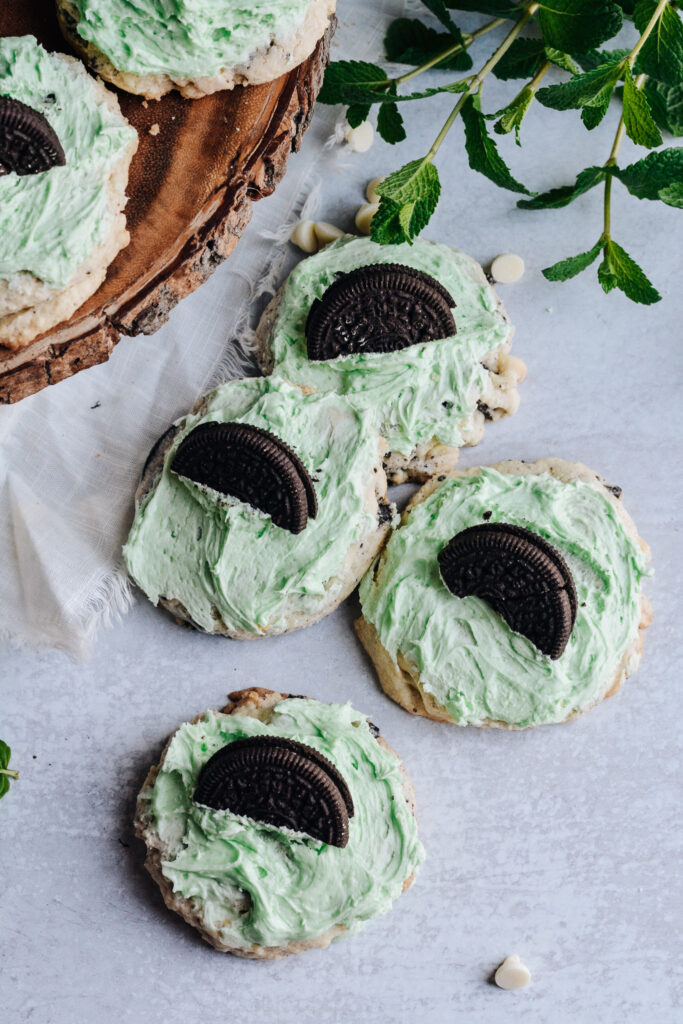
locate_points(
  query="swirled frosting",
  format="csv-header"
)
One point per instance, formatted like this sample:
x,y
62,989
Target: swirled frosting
x,y
51,222
466,655
225,560
421,392
297,887
185,38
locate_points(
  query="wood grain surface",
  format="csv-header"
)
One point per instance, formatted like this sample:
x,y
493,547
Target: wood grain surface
x,y
190,191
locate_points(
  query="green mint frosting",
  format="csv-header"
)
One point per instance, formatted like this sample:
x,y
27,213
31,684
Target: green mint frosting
x,y
51,222
226,560
467,656
416,394
185,38
298,887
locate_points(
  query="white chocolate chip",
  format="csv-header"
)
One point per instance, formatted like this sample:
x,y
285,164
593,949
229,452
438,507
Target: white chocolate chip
x,y
507,268
304,236
361,138
512,973
371,193
364,217
326,233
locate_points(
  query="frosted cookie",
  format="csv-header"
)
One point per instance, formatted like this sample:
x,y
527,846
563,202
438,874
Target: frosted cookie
x,y
510,596
278,824
260,511
413,335
195,46
62,198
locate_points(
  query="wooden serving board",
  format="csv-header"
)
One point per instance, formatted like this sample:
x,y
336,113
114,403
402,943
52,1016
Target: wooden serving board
x,y
190,191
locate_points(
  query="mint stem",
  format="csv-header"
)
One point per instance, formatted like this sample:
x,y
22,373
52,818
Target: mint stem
x,y
468,39
10,772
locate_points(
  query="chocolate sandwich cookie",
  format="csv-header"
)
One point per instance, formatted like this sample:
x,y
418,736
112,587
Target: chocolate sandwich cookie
x,y
28,142
510,596
412,335
260,511
278,824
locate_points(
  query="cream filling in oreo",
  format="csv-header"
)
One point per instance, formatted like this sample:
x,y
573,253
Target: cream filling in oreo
x,y
259,884
51,222
225,560
185,38
416,394
465,654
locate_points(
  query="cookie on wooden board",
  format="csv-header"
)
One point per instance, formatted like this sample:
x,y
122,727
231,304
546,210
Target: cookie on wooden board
x,y
266,889
510,596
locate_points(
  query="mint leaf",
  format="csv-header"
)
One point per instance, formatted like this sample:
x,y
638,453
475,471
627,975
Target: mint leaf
x,y
522,60
561,60
573,265
582,90
482,151
357,113
514,113
573,26
349,81
440,10
618,270
409,41
556,198
666,104
593,59
494,8
592,115
408,199
672,195
650,177
390,123
662,53
638,120
6,773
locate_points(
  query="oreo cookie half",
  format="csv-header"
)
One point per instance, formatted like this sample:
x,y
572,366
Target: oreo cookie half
x,y
281,782
385,307
250,464
522,576
28,142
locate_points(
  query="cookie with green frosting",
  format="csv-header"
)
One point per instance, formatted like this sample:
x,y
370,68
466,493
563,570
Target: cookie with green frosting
x,y
259,512
428,388
510,596
195,46
266,890
62,223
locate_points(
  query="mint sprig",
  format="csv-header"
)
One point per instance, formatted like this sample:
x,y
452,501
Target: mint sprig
x,y
6,773
570,35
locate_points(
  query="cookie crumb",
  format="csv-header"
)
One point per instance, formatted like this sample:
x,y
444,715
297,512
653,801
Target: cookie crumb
x,y
507,268
155,129
512,973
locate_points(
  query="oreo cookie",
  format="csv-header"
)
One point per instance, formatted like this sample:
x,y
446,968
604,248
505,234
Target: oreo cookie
x,y
28,142
522,576
280,782
252,465
384,307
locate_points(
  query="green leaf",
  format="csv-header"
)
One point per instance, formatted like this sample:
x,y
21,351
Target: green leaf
x,y
493,8
666,104
409,41
390,123
440,10
638,121
347,80
618,270
654,174
592,115
556,198
573,265
357,113
573,26
6,773
408,199
582,90
662,53
482,151
386,224
561,60
514,113
593,59
672,195
417,180
522,60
